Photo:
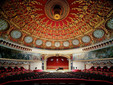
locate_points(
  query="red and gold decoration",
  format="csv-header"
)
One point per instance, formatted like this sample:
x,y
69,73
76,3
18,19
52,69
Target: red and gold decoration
x,y
56,62
57,9
56,24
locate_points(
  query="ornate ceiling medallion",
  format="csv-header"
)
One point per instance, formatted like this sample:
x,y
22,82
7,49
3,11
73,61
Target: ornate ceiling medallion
x,y
16,34
86,39
66,44
48,44
75,42
28,39
39,42
57,9
110,23
57,44
3,25
98,33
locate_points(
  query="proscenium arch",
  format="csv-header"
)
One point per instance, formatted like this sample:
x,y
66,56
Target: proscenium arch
x,y
51,55
47,56
53,63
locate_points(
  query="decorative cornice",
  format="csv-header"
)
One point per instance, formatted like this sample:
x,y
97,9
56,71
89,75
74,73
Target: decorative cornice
x,y
13,45
99,45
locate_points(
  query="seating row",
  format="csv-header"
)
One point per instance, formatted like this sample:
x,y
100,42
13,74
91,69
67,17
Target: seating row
x,y
56,75
11,69
102,69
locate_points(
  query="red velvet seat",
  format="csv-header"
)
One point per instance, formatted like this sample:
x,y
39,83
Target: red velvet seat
x,y
111,69
3,69
98,68
9,69
39,70
76,70
16,69
22,69
105,69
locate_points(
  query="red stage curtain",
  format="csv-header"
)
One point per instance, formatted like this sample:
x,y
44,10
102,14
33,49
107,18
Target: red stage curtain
x,y
56,62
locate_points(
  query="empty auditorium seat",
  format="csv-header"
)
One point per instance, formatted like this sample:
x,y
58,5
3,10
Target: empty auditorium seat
x,y
9,69
16,69
98,68
105,69
38,70
22,68
76,70
3,69
111,69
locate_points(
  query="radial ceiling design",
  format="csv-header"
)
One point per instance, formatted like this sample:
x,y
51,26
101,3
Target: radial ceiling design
x,y
83,23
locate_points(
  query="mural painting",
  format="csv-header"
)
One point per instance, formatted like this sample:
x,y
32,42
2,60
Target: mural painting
x,y
97,54
15,54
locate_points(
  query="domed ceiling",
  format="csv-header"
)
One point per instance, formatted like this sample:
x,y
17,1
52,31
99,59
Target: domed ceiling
x,y
56,24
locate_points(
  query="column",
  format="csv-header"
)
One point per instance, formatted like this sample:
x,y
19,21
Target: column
x,y
85,67
29,66
45,62
69,64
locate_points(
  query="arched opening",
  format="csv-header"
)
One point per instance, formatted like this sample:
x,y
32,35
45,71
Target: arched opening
x,y
54,63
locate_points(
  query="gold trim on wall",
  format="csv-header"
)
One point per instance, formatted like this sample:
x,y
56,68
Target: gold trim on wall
x,y
57,55
19,60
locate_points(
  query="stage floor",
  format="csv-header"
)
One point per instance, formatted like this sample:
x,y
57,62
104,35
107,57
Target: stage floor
x,y
49,70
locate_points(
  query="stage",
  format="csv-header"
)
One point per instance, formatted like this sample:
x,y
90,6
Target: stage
x,y
50,70
62,70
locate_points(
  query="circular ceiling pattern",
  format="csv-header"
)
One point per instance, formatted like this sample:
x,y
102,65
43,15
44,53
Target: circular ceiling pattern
x,y
56,21
66,44
86,39
16,34
75,42
28,39
98,33
39,42
57,9
3,25
110,23
57,44
48,44
34,20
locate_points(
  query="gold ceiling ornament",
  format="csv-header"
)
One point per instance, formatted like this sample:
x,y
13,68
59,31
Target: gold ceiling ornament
x,y
52,22
57,16
57,9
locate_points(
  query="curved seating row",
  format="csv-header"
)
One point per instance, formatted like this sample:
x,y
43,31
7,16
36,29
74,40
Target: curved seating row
x,y
58,81
56,75
10,69
102,69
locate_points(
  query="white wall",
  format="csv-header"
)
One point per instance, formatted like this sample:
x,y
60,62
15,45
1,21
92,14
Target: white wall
x,y
79,65
88,66
26,67
37,64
